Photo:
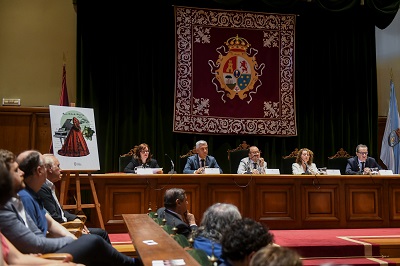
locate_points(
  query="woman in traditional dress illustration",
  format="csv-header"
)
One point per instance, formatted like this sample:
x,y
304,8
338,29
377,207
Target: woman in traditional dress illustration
x,y
75,144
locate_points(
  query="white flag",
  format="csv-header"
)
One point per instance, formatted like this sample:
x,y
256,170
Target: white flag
x,y
390,149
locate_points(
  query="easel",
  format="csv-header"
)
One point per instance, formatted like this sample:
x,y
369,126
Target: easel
x,y
79,206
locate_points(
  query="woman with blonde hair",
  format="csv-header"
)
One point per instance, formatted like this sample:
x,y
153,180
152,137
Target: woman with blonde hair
x,y
304,163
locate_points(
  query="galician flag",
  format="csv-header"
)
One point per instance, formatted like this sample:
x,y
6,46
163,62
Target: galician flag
x,y
390,149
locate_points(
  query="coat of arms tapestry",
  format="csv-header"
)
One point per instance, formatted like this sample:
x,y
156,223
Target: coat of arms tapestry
x,y
234,72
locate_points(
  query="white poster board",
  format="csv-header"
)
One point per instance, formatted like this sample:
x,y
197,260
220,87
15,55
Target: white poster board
x,y
74,138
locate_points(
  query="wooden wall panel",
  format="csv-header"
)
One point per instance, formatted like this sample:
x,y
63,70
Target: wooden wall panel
x,y
275,202
364,203
321,204
278,201
394,193
24,128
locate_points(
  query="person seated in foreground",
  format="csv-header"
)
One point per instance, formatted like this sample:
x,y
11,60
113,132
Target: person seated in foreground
x,y
253,164
142,158
243,239
20,229
276,256
10,254
361,164
216,220
196,164
176,213
304,163
50,201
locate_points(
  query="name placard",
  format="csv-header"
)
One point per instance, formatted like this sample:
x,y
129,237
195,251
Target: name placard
x,y
333,172
385,172
147,171
272,172
211,171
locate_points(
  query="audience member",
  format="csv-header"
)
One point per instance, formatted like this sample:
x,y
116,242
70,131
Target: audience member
x,y
243,239
276,256
20,229
253,164
176,213
142,158
50,201
11,255
304,163
216,219
361,164
196,164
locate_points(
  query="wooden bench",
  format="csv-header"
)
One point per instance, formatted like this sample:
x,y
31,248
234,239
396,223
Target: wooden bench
x,y
141,228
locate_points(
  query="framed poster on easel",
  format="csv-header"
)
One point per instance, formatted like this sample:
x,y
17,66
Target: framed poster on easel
x,y
75,146
74,138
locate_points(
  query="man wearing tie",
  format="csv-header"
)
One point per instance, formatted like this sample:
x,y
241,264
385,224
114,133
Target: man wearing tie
x,y
196,164
361,164
254,164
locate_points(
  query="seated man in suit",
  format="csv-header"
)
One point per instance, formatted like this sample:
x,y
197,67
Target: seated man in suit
x,y
176,213
361,164
22,231
254,164
50,201
196,164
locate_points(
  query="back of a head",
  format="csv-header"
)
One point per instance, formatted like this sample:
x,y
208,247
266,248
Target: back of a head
x,y
276,256
171,195
6,185
216,219
28,161
244,237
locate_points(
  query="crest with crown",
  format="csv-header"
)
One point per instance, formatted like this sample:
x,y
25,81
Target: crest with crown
x,y
237,43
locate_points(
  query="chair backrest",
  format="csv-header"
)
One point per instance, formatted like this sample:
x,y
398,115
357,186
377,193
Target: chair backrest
x,y
182,240
183,158
339,161
237,154
287,162
124,159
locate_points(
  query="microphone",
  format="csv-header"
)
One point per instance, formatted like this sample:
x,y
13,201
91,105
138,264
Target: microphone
x,y
172,166
307,170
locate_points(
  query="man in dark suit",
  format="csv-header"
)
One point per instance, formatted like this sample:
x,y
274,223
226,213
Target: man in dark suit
x,y
176,213
361,164
196,164
50,200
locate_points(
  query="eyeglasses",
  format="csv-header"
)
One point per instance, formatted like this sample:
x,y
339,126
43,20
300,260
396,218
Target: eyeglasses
x,y
255,152
145,151
363,153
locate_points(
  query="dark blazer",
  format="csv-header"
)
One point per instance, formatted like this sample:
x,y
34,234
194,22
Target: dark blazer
x,y
174,220
353,168
192,164
51,205
54,210
130,168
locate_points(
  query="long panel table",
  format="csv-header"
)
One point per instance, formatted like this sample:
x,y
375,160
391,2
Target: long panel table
x,y
279,201
142,229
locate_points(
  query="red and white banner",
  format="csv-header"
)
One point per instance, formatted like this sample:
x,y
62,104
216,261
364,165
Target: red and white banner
x,y
234,72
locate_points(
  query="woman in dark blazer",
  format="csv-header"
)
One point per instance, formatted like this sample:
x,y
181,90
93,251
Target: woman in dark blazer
x,y
141,158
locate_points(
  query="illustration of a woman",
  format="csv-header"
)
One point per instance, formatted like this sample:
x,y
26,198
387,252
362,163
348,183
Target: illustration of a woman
x,y
75,144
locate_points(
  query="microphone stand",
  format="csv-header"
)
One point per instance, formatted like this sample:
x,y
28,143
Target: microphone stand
x,y
172,166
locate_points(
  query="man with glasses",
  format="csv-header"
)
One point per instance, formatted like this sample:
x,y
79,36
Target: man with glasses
x,y
361,164
253,164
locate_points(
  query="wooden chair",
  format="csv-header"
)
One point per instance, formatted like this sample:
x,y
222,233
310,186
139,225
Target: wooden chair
x,y
237,154
339,161
124,159
199,255
183,158
56,256
287,162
